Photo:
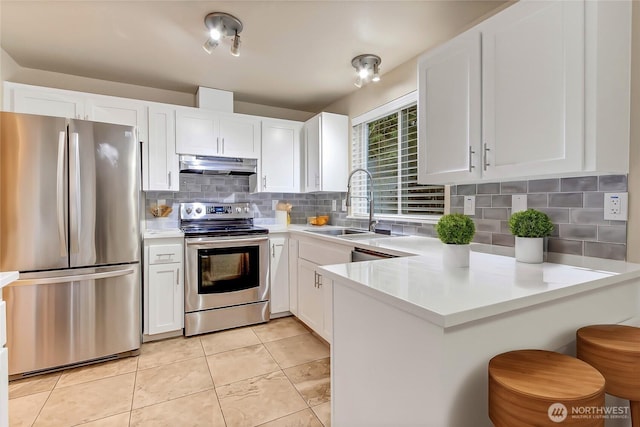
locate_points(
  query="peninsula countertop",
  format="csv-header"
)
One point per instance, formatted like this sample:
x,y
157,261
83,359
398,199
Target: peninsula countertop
x,y
492,285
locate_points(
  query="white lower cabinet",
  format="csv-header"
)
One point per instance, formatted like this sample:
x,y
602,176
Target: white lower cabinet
x,y
163,287
315,292
4,387
279,275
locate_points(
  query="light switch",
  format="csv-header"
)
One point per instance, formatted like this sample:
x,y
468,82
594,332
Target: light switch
x,y
470,205
616,206
518,203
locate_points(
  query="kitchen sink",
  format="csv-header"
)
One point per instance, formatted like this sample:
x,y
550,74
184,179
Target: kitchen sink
x,y
340,232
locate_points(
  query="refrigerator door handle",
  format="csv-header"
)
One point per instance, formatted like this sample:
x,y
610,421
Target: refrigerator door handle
x,y
77,278
62,230
74,189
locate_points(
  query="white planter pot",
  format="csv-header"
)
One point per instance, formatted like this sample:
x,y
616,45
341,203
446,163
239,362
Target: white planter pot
x,y
455,255
529,249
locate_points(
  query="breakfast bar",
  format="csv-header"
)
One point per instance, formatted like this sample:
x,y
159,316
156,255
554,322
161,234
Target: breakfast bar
x,y
412,338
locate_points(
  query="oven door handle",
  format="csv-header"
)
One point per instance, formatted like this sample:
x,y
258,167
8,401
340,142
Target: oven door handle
x,y
201,241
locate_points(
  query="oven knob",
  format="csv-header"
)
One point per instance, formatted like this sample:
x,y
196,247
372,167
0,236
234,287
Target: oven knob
x,y
198,210
228,210
246,209
238,210
189,210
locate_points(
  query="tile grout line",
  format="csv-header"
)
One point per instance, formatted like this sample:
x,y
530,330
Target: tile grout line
x,y
224,419
47,399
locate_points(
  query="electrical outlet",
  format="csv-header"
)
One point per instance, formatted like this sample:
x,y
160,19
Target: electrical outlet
x,y
274,203
334,205
470,205
518,203
615,206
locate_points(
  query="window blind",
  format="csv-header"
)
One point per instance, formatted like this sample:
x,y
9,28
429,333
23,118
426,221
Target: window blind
x,y
388,148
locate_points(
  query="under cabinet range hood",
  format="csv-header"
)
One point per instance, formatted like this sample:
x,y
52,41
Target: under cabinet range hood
x,y
210,165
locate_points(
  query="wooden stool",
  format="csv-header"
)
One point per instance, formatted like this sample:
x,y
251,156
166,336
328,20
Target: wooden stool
x,y
539,388
614,350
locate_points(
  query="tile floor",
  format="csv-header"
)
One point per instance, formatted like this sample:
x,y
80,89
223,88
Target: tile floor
x,y
271,375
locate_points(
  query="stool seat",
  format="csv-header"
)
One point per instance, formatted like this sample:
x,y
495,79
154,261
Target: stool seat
x,y
614,350
524,384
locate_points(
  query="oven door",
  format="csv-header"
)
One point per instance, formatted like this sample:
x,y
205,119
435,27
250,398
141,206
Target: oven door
x,y
223,272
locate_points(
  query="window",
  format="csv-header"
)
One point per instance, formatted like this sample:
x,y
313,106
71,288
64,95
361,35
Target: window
x,y
387,146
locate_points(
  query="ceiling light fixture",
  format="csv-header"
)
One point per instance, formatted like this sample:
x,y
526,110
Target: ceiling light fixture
x,y
222,25
367,68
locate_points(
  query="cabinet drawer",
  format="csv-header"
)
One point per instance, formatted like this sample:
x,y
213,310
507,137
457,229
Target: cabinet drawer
x,y
324,254
3,323
164,254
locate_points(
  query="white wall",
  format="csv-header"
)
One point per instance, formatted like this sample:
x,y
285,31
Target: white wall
x,y
633,230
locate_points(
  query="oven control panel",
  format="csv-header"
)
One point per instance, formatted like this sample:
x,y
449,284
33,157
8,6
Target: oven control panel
x,y
190,211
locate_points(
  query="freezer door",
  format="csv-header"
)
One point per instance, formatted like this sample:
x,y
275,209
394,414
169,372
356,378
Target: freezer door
x,y
104,191
64,317
33,192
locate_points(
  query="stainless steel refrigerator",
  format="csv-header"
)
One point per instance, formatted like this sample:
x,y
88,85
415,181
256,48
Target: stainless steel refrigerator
x,y
69,222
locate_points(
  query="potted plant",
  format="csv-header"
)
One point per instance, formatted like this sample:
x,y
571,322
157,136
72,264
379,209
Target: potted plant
x,y
530,228
456,232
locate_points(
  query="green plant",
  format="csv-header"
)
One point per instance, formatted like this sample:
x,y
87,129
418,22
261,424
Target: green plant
x,y
530,223
455,229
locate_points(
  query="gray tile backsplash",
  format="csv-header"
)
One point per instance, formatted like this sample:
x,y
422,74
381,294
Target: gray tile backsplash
x,y
575,205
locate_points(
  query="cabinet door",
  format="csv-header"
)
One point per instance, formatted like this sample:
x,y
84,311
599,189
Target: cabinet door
x,y
239,136
197,132
118,111
279,274
312,154
162,161
45,101
4,387
166,311
449,111
334,157
293,276
310,296
533,89
281,156
327,308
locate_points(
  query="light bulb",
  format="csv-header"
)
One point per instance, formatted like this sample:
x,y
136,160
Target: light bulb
x,y
363,73
376,74
358,82
209,45
235,46
215,34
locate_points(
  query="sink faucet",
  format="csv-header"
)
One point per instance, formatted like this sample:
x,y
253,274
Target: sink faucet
x,y
372,223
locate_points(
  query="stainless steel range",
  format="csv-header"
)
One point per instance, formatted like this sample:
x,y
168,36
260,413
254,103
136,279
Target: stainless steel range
x,y
227,267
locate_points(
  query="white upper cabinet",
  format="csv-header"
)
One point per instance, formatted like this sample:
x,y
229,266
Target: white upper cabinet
x,y
280,158
449,126
160,161
20,98
209,133
46,101
326,148
516,96
533,89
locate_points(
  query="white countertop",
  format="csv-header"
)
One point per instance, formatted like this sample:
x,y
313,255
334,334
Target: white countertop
x,y
163,233
7,277
492,284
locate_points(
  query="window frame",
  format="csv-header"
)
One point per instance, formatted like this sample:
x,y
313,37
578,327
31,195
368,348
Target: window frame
x,y
384,110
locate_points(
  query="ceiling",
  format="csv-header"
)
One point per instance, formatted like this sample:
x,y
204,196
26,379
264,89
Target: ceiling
x,y
294,54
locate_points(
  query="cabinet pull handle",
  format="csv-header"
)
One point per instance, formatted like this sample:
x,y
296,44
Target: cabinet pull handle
x,y
273,250
264,181
471,153
169,179
319,280
317,180
315,279
218,145
486,156
178,277
223,145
